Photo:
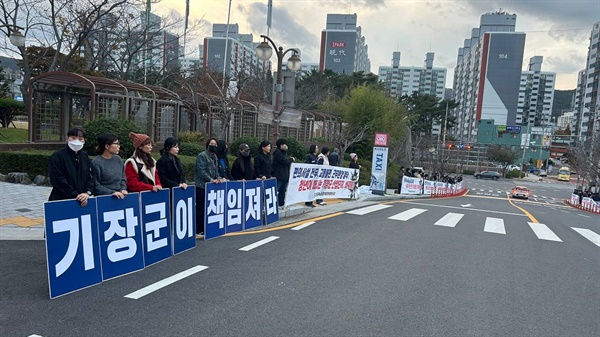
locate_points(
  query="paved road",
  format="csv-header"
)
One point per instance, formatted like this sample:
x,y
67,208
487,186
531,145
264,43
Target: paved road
x,y
470,266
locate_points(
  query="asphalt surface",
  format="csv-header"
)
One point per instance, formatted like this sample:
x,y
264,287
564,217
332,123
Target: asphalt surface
x,y
425,274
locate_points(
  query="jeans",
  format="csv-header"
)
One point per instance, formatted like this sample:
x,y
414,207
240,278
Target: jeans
x,y
281,188
200,209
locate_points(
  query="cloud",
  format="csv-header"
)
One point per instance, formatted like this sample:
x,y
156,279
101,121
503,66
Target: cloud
x,y
285,29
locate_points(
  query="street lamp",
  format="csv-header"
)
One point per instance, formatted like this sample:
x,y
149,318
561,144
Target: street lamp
x,y
16,38
264,52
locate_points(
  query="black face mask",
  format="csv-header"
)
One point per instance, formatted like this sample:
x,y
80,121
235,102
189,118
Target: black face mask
x,y
212,148
245,153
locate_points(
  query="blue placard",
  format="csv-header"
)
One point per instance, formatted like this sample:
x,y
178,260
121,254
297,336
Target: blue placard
x,y
184,219
120,230
253,204
156,220
234,208
214,216
271,205
72,247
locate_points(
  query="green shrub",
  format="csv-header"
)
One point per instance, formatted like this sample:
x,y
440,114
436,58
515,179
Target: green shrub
x,y
31,162
253,142
468,172
295,149
191,137
119,127
189,165
514,174
191,149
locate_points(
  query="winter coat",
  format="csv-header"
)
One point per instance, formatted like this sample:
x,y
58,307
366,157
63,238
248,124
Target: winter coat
x,y
70,174
281,165
139,177
170,171
242,169
263,165
206,169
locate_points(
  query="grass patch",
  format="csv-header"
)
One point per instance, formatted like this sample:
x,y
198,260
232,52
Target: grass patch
x,y
13,135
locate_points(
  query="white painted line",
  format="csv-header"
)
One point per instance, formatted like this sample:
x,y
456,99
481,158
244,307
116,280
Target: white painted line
x,y
259,243
407,215
163,283
564,211
535,196
491,191
297,228
588,234
464,209
548,202
449,220
543,232
583,215
494,225
499,192
482,190
34,336
369,209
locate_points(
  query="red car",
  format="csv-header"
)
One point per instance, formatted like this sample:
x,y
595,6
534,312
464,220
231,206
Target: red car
x,y
521,192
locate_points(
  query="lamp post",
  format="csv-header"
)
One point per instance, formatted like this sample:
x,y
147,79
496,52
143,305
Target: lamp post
x,y
264,52
15,37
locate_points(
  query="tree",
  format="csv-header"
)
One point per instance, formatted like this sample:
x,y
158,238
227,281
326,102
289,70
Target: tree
x,y
9,109
585,159
5,84
428,110
504,156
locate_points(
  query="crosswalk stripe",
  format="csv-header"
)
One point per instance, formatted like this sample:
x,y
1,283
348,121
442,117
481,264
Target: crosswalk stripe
x,y
494,225
297,228
588,234
449,220
368,209
543,232
407,215
258,243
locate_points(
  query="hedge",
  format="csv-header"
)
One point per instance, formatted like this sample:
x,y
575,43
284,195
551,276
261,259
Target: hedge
x,y
32,162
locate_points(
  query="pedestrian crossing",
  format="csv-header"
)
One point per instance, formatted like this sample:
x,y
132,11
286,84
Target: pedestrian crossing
x,y
492,225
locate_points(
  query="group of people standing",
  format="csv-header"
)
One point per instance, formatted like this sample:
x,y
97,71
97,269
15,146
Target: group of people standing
x,y
74,176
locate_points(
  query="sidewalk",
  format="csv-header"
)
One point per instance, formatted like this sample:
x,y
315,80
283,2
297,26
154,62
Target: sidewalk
x,y
22,210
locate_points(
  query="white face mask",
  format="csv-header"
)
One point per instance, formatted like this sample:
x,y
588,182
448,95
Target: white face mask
x,y
75,145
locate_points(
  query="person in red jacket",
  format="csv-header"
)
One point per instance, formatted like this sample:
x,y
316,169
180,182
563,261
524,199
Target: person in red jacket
x,y
140,169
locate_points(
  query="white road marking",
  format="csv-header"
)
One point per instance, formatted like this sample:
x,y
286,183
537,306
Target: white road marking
x,y
34,336
543,232
163,283
259,243
491,191
499,192
583,215
449,220
297,228
407,215
564,211
494,225
588,234
464,209
369,209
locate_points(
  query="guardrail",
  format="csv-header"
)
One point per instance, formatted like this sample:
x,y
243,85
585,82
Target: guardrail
x,y
448,193
592,208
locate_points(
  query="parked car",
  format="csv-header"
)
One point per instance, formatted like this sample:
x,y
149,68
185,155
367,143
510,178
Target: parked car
x,y
487,175
513,167
543,173
533,170
520,192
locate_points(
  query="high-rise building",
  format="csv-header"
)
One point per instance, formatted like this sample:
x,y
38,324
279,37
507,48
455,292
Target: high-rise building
x,y
487,75
405,80
536,95
237,51
343,48
587,100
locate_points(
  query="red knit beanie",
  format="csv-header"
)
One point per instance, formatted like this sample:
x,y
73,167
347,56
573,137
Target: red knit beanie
x,y
137,139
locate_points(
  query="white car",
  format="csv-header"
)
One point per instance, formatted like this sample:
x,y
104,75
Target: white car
x,y
513,167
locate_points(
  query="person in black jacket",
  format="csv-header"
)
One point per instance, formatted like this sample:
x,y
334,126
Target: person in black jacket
x,y
222,161
311,158
169,167
334,157
242,166
281,169
263,164
70,170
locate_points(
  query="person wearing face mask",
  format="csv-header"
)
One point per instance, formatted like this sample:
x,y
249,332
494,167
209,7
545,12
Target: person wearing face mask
x,y
281,169
207,171
170,169
140,169
108,168
70,170
242,166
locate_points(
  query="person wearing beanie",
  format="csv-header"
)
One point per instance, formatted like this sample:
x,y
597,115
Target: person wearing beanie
x,y
354,161
108,168
242,166
281,169
170,169
140,169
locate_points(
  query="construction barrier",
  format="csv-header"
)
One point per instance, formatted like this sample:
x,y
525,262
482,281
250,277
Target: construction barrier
x,y
587,204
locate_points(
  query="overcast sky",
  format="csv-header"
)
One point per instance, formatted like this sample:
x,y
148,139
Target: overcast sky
x,y
559,30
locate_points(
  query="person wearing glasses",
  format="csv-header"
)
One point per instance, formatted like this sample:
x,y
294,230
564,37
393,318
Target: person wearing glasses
x,y
108,168
140,169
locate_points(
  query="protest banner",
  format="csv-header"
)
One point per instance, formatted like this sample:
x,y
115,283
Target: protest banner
x,y
411,185
309,182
